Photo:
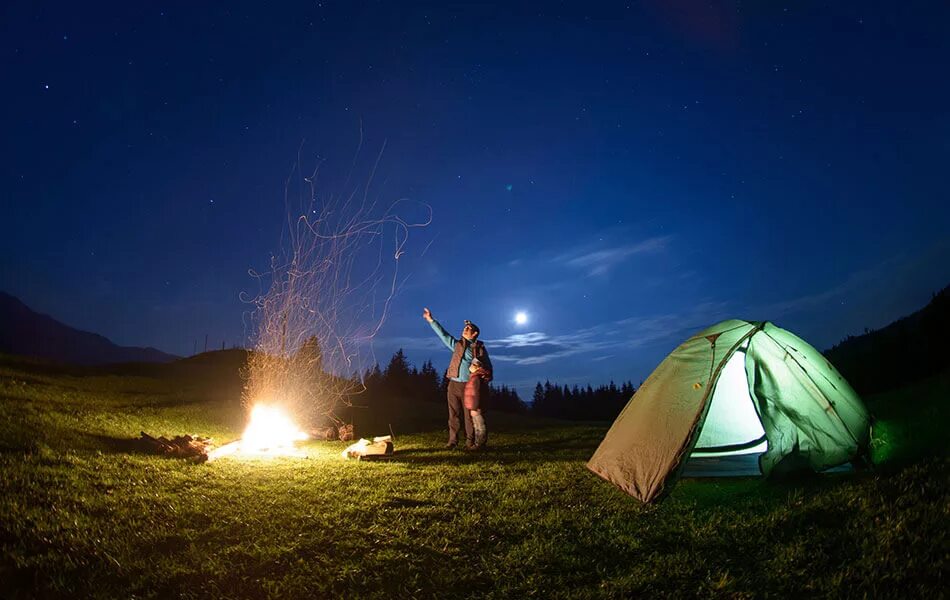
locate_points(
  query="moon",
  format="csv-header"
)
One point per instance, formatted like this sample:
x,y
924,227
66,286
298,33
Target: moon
x,y
521,317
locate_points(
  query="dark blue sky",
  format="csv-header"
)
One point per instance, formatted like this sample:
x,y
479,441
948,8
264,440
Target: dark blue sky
x,y
625,174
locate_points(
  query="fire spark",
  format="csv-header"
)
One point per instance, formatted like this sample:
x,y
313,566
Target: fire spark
x,y
270,432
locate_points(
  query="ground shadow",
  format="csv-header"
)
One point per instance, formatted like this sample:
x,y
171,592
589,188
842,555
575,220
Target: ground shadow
x,y
504,454
113,445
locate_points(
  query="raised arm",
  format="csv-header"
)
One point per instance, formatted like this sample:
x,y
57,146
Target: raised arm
x,y
440,331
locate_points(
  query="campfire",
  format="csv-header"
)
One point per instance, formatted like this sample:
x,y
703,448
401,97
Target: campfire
x,y
270,432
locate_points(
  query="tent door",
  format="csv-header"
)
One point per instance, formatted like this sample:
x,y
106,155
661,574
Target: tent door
x,y
732,424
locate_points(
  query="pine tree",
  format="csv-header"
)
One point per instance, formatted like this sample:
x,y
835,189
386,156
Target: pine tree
x,y
398,368
429,383
537,400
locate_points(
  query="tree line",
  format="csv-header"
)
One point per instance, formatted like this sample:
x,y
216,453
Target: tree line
x,y
602,403
401,380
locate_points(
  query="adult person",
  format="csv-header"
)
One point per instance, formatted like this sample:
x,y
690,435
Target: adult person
x,y
468,356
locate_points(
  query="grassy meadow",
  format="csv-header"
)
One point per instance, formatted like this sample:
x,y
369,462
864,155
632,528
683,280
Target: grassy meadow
x,y
83,515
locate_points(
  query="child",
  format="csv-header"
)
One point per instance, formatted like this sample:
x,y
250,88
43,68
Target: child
x,y
475,389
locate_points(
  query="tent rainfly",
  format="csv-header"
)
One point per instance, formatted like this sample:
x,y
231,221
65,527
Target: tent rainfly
x,y
736,387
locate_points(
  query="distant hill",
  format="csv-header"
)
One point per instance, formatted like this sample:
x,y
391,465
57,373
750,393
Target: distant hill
x,y
25,332
905,351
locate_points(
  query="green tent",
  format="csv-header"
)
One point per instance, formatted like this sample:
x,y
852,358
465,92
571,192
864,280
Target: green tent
x,y
737,387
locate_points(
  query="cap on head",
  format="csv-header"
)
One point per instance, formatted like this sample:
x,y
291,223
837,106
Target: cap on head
x,y
472,326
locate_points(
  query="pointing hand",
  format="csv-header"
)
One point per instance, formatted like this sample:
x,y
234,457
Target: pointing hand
x,y
426,315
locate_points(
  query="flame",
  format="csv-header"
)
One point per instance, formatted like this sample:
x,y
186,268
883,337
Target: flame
x,y
270,432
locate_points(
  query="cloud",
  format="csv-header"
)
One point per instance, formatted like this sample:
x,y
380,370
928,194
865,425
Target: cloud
x,y
616,340
536,348
520,340
600,260
611,340
607,340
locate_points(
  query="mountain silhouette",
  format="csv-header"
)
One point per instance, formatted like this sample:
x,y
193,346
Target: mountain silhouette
x,y
28,333
907,350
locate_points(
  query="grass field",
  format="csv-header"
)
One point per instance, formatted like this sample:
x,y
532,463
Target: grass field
x,y
81,516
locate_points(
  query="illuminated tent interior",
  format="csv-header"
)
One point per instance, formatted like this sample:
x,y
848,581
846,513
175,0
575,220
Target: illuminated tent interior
x,y
738,387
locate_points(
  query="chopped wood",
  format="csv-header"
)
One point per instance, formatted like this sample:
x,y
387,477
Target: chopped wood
x,y
332,433
346,432
182,446
379,447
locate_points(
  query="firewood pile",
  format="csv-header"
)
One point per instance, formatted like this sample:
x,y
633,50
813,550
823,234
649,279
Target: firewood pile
x,y
344,433
182,446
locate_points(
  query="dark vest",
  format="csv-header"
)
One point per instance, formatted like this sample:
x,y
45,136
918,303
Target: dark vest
x,y
478,351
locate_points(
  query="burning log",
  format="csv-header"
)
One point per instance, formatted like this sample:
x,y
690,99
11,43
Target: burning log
x,y
181,446
270,432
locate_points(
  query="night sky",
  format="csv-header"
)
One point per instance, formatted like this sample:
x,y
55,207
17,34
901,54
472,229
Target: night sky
x,y
623,174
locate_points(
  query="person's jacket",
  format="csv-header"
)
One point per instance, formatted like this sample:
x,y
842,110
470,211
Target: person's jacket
x,y
463,352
